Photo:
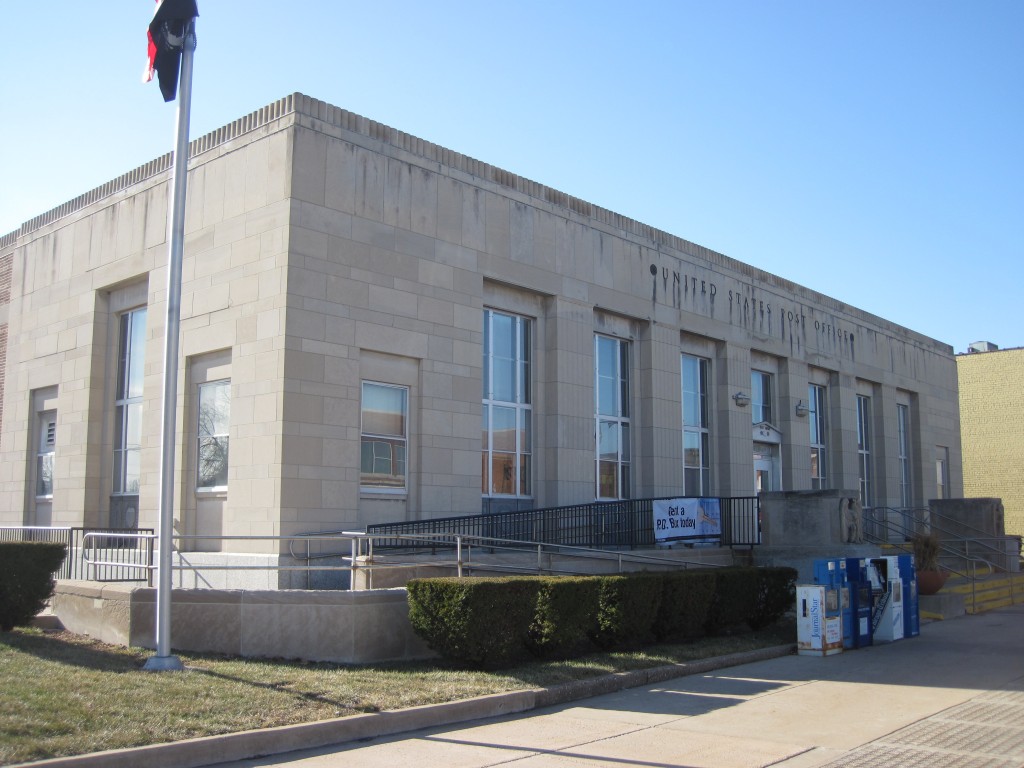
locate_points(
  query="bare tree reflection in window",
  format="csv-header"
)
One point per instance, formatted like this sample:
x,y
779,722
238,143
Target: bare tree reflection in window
x,y
214,418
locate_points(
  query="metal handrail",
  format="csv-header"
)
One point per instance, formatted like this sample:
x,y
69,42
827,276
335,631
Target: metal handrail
x,y
361,557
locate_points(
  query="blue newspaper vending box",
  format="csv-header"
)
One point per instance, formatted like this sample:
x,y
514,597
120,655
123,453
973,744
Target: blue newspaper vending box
x,y
861,600
911,606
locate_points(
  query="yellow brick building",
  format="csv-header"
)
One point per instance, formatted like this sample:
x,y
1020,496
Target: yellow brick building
x,y
992,427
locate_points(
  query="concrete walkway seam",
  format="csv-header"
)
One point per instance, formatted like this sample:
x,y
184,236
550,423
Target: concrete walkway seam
x,y
243,745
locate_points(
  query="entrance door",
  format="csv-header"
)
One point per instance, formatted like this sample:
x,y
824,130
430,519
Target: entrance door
x,y
767,468
763,475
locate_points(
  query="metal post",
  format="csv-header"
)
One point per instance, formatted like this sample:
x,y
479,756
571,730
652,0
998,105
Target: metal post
x,y
176,236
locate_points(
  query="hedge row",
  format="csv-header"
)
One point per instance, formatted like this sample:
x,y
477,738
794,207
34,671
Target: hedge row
x,y
26,579
492,622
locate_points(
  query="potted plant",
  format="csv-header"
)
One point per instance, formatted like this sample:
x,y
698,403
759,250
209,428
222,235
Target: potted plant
x,y
930,576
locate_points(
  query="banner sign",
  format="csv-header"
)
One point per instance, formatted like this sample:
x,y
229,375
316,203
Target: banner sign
x,y
687,519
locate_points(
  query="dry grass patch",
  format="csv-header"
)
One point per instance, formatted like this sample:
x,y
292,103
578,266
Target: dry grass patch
x,y
64,694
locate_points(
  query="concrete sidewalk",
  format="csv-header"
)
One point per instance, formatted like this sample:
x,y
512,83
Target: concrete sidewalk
x,y
952,697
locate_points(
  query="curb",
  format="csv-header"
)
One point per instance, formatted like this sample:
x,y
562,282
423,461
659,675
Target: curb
x,y
210,750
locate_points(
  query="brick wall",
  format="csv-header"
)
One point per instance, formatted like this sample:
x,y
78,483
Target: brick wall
x,y
992,429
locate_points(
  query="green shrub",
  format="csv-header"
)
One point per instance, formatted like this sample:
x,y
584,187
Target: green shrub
x,y
627,609
776,594
685,601
484,622
565,619
26,579
734,599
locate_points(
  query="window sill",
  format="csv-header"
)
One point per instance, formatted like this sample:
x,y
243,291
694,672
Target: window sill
x,y
212,493
403,492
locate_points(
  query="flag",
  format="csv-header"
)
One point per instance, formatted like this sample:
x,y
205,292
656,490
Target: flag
x,y
166,39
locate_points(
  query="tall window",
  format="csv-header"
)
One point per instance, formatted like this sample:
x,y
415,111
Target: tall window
x,y
696,427
903,455
212,431
384,436
864,448
611,395
131,349
761,397
507,466
941,472
817,410
44,454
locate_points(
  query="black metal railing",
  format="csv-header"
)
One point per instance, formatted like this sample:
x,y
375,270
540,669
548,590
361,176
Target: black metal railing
x,y
628,523
126,558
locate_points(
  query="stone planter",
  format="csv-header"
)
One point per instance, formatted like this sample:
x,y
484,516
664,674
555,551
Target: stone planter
x,y
930,582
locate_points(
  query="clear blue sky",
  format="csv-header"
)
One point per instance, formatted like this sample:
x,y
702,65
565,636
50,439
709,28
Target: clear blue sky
x,y
872,151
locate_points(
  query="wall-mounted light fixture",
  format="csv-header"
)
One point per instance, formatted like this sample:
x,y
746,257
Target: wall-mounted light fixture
x,y
742,399
801,409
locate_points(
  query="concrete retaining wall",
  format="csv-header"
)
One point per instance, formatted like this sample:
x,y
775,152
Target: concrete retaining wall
x,y
347,627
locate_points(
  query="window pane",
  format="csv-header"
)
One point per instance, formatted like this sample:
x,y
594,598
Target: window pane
x,y
503,340
132,470
137,353
608,485
214,408
525,433
525,466
133,425
623,374
503,431
503,468
383,463
44,475
608,441
691,449
213,462
526,395
383,410
504,381
691,482
118,486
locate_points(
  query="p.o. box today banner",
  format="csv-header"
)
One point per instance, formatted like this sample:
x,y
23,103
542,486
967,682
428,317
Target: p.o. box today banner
x,y
687,519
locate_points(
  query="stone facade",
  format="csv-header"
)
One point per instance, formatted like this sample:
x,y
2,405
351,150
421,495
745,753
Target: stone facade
x,y
992,428
324,251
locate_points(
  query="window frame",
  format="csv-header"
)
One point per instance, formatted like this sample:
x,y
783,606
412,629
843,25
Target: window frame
x,y
46,449
129,400
392,438
702,430
216,436
761,393
941,472
519,404
618,422
817,424
903,457
864,473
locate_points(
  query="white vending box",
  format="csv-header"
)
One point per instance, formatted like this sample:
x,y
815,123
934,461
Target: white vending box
x,y
819,624
890,626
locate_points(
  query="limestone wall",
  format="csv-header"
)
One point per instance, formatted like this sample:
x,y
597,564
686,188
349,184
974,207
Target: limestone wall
x,y
346,627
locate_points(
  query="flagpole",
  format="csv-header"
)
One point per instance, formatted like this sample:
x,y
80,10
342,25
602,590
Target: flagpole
x,y
164,660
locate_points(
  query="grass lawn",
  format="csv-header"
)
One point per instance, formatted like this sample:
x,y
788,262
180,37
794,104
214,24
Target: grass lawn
x,y
63,694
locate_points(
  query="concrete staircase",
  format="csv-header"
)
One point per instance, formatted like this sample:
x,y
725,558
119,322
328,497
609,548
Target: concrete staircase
x,y
959,596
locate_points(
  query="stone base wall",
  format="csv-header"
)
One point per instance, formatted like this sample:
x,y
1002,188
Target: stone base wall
x,y
346,627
